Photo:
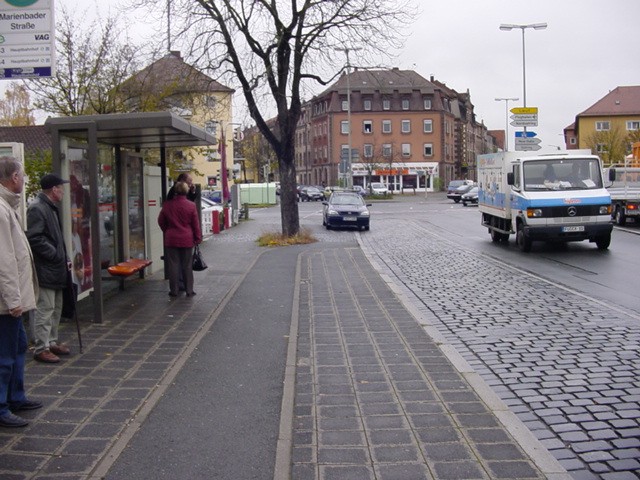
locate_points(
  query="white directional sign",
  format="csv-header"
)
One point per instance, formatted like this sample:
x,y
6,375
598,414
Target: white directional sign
x,y
27,38
525,120
527,144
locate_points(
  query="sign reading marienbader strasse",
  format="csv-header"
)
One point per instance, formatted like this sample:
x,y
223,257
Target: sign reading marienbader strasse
x,y
27,38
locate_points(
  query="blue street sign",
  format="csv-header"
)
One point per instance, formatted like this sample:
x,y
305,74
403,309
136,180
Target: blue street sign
x,y
528,134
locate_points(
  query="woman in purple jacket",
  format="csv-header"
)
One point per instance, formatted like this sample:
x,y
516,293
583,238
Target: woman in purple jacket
x,y
179,222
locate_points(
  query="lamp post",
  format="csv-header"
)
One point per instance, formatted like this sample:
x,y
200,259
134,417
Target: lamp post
x,y
348,166
523,27
506,116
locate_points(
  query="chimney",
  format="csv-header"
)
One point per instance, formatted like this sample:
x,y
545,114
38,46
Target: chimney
x,y
175,53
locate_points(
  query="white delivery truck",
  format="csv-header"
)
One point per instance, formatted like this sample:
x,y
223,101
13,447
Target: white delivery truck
x,y
625,188
556,197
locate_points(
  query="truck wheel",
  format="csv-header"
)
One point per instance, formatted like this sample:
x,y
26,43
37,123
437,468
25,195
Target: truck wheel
x,y
457,200
621,218
495,236
524,242
603,241
505,237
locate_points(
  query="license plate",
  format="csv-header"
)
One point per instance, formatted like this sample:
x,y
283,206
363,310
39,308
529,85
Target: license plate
x,y
350,219
573,229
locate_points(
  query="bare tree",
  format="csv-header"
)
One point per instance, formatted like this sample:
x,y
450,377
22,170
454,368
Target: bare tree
x,y
91,64
276,49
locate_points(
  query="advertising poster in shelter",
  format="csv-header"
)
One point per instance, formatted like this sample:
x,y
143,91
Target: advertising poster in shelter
x,y
82,271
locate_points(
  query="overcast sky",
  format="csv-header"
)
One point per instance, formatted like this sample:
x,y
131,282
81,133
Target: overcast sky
x,y
589,48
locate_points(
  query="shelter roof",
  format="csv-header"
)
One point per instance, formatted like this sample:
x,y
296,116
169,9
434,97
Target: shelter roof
x,y
135,130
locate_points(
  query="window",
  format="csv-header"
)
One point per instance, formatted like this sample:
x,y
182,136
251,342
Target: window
x,y
386,150
428,126
405,104
572,141
386,104
601,148
427,104
367,126
428,149
406,126
368,150
386,126
633,125
367,104
602,126
344,127
406,149
345,105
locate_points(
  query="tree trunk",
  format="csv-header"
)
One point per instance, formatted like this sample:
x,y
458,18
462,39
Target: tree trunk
x,y
288,193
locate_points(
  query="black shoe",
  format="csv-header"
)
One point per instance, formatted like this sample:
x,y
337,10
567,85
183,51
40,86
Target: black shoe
x,y
173,294
27,405
10,420
191,294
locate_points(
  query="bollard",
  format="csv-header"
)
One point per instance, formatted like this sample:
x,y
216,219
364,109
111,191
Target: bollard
x,y
227,220
215,221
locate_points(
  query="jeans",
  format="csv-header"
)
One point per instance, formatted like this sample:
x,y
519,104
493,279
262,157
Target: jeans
x,y
47,318
13,345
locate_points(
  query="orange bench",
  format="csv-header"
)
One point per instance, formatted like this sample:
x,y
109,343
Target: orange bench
x,y
125,269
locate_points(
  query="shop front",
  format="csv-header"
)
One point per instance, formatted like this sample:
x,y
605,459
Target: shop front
x,y
400,177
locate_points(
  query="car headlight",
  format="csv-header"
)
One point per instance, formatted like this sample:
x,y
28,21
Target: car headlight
x,y
605,210
534,212
365,213
332,211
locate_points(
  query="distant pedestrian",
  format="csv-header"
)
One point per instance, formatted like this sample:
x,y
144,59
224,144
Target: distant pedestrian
x,y
18,290
44,231
179,222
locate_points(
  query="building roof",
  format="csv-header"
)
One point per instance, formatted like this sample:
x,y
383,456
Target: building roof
x,y
172,70
34,137
619,101
405,81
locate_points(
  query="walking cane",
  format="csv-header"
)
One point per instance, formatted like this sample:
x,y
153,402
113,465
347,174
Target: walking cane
x,y
72,298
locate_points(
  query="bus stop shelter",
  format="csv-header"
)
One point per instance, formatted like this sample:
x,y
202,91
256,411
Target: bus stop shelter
x,y
117,166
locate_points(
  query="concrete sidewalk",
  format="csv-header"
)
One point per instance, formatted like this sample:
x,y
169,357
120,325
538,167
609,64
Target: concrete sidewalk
x,y
298,361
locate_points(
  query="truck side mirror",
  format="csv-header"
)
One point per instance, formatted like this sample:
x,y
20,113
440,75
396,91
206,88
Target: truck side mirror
x,y
510,178
612,174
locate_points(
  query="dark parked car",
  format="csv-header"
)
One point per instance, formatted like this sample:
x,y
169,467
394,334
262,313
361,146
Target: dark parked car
x,y
470,197
345,209
456,194
310,193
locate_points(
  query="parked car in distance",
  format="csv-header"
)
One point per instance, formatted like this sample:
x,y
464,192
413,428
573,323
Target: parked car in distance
x,y
359,190
456,195
454,184
379,188
470,197
345,209
213,195
310,194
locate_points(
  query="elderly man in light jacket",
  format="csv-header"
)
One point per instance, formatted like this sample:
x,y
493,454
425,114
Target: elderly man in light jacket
x,y
18,290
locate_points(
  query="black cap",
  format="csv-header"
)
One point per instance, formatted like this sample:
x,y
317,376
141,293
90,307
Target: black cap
x,y
51,180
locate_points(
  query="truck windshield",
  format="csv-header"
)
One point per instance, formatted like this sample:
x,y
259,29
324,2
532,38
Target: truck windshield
x,y
562,174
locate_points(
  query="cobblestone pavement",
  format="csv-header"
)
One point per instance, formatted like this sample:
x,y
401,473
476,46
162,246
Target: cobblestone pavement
x,y
569,367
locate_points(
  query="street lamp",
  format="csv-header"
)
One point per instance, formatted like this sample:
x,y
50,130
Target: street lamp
x,y
523,27
348,166
506,111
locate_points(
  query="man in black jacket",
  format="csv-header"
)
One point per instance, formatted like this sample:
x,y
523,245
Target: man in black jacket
x,y
44,232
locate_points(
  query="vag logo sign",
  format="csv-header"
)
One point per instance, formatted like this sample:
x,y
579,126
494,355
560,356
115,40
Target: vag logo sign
x,y
21,3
